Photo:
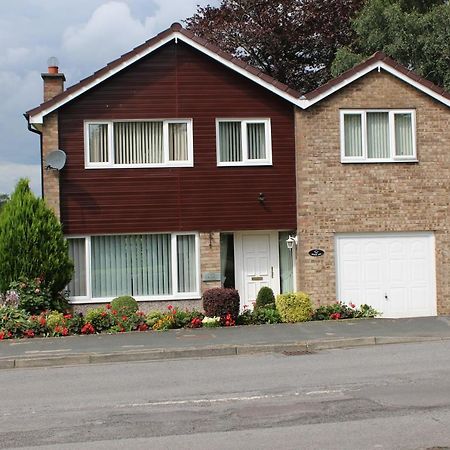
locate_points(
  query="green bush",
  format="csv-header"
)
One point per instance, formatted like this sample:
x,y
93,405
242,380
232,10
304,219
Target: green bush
x,y
152,317
264,298
262,316
33,296
100,319
294,307
32,243
125,304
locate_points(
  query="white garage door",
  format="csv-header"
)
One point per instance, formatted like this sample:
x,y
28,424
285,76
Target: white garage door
x,y
394,273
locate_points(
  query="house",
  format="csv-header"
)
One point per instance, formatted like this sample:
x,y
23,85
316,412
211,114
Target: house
x,y
188,169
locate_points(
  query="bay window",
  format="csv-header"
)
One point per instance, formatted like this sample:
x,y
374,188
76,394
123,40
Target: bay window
x,y
378,136
156,143
146,266
243,142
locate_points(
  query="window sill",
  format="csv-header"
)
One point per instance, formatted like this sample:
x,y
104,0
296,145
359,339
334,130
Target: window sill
x,y
162,298
141,166
378,161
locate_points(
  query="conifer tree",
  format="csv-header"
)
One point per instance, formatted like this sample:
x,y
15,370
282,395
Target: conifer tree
x,y
32,243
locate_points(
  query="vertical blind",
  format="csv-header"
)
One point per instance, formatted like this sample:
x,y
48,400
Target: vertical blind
x,y
138,142
77,253
139,265
178,142
256,140
186,260
353,135
230,141
98,142
378,135
403,135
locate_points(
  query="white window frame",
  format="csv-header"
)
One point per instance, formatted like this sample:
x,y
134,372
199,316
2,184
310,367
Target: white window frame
x,y
174,296
244,145
110,164
392,146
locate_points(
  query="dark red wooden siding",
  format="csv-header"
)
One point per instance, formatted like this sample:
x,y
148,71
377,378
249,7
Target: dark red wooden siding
x,y
178,82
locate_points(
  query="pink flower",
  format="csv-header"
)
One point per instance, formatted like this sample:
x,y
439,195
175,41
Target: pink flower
x,y
170,307
352,305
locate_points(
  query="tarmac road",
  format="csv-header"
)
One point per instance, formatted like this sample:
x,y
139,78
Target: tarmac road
x,y
378,397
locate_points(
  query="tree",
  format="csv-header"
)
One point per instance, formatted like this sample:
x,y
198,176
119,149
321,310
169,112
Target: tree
x,y
294,41
3,199
32,243
413,32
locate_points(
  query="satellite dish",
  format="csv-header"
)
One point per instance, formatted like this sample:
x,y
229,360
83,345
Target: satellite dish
x,y
55,160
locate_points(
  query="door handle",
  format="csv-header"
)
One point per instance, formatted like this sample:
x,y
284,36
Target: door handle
x,y
271,270
386,297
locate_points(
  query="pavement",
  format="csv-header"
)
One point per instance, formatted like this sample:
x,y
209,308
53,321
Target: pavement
x,y
227,341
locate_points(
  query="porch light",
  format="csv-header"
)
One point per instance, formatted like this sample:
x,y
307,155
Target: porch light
x,y
290,241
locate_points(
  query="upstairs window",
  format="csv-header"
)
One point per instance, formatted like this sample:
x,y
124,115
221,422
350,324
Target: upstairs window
x,y
378,136
159,143
243,142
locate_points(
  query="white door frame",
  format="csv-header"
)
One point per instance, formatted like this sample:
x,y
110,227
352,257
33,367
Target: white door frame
x,y
239,261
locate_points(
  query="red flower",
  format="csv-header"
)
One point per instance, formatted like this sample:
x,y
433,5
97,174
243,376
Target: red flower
x,y
114,312
87,329
28,333
65,331
2,335
169,307
103,313
108,306
42,321
352,305
67,316
335,316
124,318
58,329
143,327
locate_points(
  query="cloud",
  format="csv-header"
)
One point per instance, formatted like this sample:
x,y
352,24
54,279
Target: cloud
x,y
110,30
10,173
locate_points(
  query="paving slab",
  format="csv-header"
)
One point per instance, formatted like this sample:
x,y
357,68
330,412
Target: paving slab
x,y
227,341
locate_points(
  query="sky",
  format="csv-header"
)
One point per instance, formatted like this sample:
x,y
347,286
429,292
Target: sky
x,y
84,35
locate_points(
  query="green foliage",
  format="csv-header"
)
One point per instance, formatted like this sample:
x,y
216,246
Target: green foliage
x,y
339,310
33,296
413,32
125,304
265,316
99,318
32,244
152,317
294,307
13,321
265,297
366,311
3,199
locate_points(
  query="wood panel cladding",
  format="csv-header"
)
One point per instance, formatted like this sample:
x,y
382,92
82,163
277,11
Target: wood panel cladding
x,y
178,81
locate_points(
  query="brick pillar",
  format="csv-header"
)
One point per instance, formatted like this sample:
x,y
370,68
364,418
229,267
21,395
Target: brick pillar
x,y
210,258
53,85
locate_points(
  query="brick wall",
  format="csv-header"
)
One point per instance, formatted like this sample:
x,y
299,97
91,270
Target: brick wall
x,y
209,257
337,198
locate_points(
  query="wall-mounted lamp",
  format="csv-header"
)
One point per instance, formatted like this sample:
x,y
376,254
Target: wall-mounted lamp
x,y
261,197
290,241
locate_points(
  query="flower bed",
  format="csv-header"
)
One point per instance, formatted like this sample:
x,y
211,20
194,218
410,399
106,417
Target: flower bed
x,y
17,323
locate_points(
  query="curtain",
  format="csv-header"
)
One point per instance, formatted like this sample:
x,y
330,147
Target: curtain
x,y
286,262
77,253
256,140
403,135
230,141
178,142
98,142
186,260
378,135
353,135
138,142
137,265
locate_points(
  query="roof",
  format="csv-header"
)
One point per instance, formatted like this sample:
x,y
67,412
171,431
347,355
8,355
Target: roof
x,y
176,32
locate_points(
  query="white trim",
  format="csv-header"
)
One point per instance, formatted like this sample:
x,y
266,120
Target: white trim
x,y
301,102
175,296
377,65
110,164
392,145
244,144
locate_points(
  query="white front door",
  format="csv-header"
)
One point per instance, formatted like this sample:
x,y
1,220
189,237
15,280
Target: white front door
x,y
257,264
394,273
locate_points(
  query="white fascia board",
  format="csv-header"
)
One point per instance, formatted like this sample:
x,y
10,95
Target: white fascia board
x,y
38,118
377,65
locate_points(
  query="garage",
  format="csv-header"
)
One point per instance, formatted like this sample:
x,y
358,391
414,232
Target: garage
x,y
393,272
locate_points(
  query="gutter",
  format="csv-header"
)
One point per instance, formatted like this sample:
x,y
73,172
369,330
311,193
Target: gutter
x,y
33,130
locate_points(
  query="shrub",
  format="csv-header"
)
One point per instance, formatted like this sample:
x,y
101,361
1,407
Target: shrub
x,y
366,311
220,301
152,317
337,310
294,307
265,315
32,243
125,304
33,296
265,298
13,322
99,318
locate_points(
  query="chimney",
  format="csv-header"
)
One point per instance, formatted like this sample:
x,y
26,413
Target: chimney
x,y
53,80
